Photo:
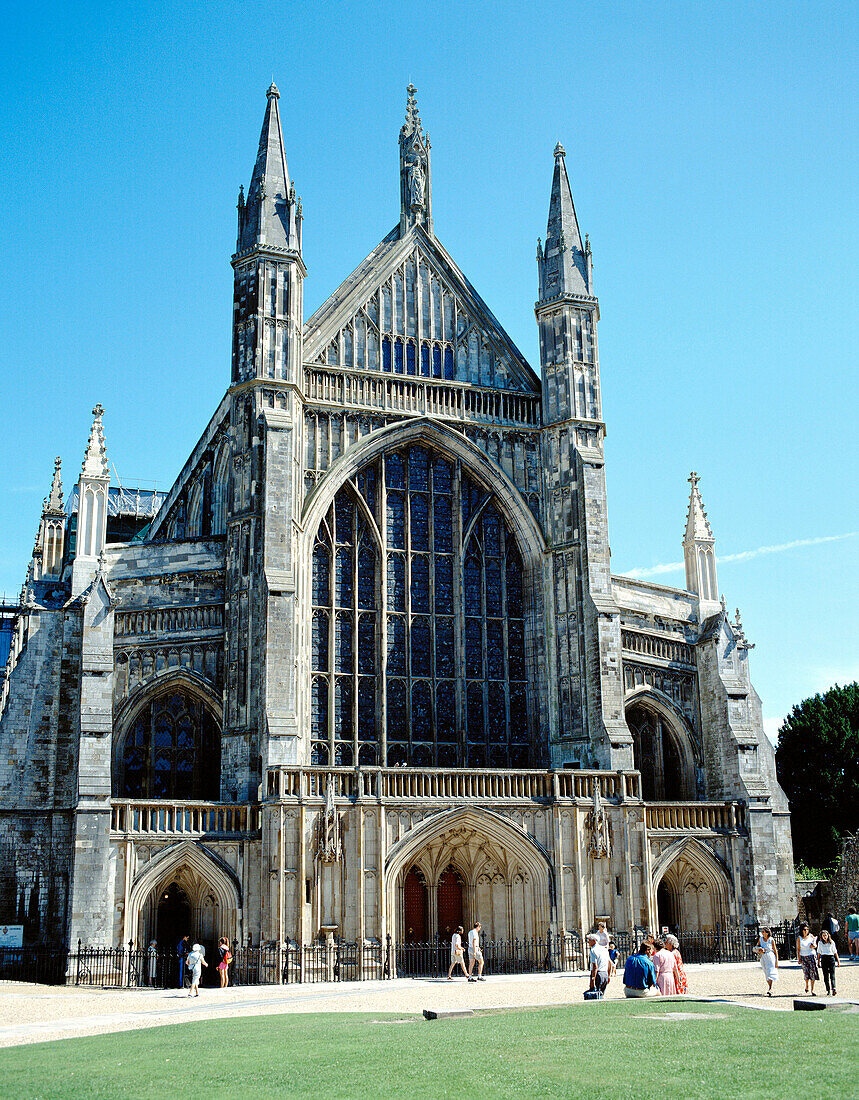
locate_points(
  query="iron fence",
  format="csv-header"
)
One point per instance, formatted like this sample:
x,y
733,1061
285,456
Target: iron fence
x,y
560,952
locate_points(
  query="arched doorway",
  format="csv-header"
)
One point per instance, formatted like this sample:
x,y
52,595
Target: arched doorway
x,y
415,907
666,907
693,890
449,904
662,754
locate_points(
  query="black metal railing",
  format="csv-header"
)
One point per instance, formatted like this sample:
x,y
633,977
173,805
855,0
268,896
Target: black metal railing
x,y
558,952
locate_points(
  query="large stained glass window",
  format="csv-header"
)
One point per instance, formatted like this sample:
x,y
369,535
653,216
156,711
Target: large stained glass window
x,y
417,640
172,750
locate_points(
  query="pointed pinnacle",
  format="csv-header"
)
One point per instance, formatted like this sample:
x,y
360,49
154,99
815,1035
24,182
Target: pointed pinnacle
x,y
272,91
560,151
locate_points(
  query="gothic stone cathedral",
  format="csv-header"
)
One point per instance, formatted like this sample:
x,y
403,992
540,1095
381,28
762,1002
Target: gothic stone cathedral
x,y
365,670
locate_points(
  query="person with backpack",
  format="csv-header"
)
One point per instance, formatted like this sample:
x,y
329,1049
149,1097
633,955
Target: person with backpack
x,y
226,959
830,925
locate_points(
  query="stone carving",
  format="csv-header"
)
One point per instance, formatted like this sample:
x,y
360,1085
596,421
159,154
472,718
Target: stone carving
x,y
328,847
416,184
597,825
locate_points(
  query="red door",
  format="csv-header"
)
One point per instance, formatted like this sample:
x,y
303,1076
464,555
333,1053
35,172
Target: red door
x,y
415,907
449,903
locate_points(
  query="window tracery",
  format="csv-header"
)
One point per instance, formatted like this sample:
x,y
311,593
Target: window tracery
x,y
417,642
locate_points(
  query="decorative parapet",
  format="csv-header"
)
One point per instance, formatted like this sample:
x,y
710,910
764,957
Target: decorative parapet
x,y
663,649
422,397
134,818
684,818
170,620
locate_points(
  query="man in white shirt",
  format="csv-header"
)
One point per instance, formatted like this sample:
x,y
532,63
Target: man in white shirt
x,y
456,953
600,963
475,955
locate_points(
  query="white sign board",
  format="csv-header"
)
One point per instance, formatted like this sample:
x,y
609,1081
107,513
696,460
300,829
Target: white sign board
x,y
11,935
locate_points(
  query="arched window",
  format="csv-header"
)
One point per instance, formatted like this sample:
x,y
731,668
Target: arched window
x,y
659,757
172,750
417,643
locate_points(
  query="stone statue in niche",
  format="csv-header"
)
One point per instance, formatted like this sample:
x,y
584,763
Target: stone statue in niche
x,y
329,846
599,846
416,184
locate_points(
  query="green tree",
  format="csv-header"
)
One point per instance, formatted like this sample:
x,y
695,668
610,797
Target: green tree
x,y
817,761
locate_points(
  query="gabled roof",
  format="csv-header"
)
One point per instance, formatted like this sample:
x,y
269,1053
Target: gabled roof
x,y
354,293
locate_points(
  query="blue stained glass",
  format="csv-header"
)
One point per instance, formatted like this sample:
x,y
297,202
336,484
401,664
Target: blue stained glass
x,y
396,521
442,524
418,468
343,577
476,731
410,358
436,361
472,498
421,712
396,583
344,513
367,755
397,718
367,577
366,709
367,487
442,474
491,530
445,711
425,360
396,646
514,584
420,647
473,647
498,756
472,582
343,755
367,644
321,574
494,649
343,643
420,585
518,715
497,713
493,586
447,756
319,708
398,357
419,521
398,755
394,477
343,709
443,585
319,754
449,372
422,756
386,353
444,660
319,643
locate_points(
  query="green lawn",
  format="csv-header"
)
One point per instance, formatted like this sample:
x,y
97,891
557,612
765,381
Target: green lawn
x,y
609,1050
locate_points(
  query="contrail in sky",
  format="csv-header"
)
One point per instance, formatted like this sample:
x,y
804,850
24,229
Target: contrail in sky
x,y
744,555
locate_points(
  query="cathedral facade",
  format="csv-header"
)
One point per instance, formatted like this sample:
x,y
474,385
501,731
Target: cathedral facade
x,y
365,670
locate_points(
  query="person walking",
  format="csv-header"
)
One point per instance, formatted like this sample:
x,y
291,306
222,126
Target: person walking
x,y
226,959
827,956
475,954
152,960
600,964
603,937
456,953
806,956
672,944
853,932
768,954
182,949
195,961
638,973
665,966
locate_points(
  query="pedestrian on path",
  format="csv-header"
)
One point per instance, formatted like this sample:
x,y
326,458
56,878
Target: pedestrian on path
x,y
152,960
768,954
672,944
806,956
182,949
853,932
602,935
665,966
600,964
456,953
226,959
827,956
475,954
195,961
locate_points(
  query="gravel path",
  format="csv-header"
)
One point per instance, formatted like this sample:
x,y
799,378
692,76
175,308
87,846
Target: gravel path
x,y
37,1013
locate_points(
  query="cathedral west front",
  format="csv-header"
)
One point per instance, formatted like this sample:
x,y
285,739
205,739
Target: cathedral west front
x,y
364,670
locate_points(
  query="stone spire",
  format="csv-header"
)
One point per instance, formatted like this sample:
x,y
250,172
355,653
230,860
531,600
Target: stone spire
x,y
699,552
95,459
54,501
564,264
415,190
267,215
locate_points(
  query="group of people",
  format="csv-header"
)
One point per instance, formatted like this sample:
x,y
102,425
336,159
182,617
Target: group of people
x,y
192,959
475,954
815,954
656,964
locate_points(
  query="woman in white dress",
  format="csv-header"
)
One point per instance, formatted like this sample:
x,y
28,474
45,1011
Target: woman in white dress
x,y
769,959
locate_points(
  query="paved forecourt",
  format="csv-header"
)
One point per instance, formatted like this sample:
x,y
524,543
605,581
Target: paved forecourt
x,y
38,1013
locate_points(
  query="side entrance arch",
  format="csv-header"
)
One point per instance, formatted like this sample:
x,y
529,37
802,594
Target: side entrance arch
x,y
692,888
465,865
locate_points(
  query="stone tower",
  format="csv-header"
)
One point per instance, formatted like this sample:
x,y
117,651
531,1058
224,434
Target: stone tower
x,y
589,727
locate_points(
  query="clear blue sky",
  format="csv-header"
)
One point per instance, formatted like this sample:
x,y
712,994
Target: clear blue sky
x,y
713,155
